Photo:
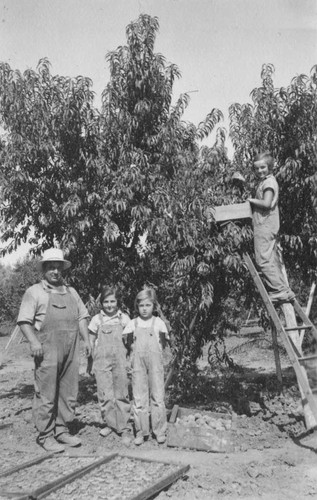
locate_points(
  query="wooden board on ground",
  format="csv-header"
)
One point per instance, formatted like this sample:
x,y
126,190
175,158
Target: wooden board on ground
x,y
235,211
198,434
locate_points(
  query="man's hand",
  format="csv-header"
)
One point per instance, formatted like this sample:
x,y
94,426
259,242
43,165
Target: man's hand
x,y
36,349
87,348
35,345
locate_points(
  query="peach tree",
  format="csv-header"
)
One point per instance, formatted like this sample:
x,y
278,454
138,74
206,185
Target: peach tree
x,y
127,189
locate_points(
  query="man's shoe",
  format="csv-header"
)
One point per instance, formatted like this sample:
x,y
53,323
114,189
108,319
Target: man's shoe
x,y
161,439
50,444
66,438
106,431
139,440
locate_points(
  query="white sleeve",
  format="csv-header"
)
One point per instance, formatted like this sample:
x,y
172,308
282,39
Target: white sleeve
x,y
94,324
125,320
129,328
161,325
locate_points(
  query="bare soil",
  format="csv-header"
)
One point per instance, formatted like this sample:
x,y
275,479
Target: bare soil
x,y
274,457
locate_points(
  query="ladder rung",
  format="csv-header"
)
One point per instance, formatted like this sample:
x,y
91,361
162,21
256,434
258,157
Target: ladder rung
x,y
308,358
303,327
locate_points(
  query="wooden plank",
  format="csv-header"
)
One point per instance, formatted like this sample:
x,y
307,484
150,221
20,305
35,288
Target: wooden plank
x,y
174,414
235,211
161,484
310,298
45,490
199,439
24,465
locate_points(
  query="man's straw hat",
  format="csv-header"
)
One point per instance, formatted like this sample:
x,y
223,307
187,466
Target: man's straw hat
x,y
53,255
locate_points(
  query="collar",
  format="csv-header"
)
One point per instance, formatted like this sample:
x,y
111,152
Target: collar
x,y
54,289
105,316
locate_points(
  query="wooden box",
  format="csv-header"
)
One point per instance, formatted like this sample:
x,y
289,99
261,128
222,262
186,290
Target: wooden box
x,y
236,211
184,434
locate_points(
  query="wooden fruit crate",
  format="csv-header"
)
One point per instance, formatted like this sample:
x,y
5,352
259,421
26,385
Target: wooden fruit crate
x,y
235,211
197,437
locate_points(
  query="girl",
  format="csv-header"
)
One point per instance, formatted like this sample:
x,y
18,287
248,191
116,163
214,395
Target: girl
x,y
149,337
266,225
109,364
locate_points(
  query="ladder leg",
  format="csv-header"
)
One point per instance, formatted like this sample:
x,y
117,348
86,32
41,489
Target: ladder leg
x,y
293,344
277,356
290,319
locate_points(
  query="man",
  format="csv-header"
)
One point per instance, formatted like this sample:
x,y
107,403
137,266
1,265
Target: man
x,y
51,317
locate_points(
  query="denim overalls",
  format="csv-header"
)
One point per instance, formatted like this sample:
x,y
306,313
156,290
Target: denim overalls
x,y
148,381
110,369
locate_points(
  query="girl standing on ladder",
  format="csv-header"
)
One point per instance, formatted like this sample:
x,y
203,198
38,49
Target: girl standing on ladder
x,y
266,225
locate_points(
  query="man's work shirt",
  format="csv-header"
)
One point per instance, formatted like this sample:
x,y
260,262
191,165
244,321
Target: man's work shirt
x,y
35,301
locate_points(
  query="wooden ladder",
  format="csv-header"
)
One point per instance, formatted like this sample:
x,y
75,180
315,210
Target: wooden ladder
x,y
301,364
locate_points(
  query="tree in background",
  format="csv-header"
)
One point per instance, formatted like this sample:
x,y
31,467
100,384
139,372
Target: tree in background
x,y
47,158
13,283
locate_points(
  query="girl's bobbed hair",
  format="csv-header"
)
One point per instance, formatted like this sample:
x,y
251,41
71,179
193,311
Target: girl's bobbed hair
x,y
267,157
110,290
146,294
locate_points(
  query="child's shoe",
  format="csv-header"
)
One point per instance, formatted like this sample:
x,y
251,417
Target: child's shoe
x,y
126,438
139,439
106,431
161,439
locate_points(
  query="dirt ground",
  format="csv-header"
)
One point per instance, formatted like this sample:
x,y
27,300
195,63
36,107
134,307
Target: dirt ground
x,y
274,457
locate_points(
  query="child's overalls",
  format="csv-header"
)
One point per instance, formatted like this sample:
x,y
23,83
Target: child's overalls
x,y
57,373
148,381
268,253
110,369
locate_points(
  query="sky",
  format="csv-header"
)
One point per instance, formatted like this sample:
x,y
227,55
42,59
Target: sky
x,y
218,45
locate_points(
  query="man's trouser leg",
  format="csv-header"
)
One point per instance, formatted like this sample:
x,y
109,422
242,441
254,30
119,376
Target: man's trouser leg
x,y
68,388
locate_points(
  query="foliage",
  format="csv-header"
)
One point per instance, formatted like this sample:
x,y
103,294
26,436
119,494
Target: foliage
x,y
284,121
46,157
128,190
124,190
13,283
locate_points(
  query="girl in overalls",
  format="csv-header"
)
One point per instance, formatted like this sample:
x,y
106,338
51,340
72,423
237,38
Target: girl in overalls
x,y
149,337
266,225
110,365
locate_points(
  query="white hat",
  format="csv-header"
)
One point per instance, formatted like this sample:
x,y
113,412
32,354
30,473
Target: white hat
x,y
53,255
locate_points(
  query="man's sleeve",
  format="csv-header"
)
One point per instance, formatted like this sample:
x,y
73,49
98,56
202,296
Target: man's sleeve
x,y
27,310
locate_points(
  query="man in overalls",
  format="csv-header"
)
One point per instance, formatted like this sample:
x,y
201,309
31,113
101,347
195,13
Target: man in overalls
x,y
51,317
